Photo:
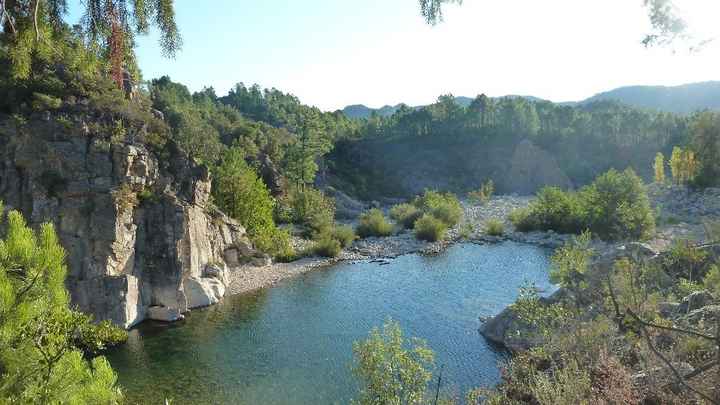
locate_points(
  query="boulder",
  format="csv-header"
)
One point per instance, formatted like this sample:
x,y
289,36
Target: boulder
x,y
203,291
345,206
164,314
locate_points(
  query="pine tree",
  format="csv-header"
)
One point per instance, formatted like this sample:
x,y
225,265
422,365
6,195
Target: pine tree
x,y
41,360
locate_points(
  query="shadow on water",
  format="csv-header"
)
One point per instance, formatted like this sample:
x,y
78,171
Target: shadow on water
x,y
292,344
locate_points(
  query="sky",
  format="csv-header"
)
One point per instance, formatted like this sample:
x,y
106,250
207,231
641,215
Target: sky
x,y
332,53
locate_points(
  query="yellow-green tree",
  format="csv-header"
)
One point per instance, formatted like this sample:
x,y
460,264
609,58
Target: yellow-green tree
x,y
676,165
659,167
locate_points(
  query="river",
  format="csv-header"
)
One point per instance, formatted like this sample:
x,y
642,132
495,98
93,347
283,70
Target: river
x,y
292,343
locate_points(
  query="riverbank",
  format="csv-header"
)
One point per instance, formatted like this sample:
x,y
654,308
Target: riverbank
x,y
682,214
248,278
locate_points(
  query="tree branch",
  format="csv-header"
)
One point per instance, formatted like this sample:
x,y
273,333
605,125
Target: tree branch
x,y
676,373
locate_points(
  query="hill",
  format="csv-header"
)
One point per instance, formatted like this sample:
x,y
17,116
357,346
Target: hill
x,y
681,99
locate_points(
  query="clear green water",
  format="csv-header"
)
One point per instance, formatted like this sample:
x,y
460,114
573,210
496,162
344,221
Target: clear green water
x,y
292,344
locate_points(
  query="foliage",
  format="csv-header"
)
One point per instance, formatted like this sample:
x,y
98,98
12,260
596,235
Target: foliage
x,y
345,235
686,260
430,229
308,207
544,318
570,264
495,227
712,280
683,165
618,207
40,355
706,146
374,223
484,194
405,215
391,371
327,246
615,206
239,192
553,209
443,206
659,168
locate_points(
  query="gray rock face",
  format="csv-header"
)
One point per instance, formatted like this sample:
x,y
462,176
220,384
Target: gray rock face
x,y
138,230
532,168
345,206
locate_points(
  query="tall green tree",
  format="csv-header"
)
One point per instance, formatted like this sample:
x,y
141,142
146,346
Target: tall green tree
x,y
41,361
302,156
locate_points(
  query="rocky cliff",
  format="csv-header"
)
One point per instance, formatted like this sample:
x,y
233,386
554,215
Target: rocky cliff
x,y
141,237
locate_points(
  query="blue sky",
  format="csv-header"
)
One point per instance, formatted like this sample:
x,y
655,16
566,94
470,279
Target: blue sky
x,y
331,53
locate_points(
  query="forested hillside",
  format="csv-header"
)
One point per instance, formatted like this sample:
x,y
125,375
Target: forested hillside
x,y
518,143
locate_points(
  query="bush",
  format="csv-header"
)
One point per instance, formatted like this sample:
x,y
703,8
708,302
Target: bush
x,y
495,227
405,215
430,229
345,235
615,206
443,206
484,194
327,246
308,207
374,223
390,370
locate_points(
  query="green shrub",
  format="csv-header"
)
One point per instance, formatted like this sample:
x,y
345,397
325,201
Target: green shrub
x,y
495,227
327,246
443,206
405,215
430,229
374,223
614,207
307,207
345,235
617,206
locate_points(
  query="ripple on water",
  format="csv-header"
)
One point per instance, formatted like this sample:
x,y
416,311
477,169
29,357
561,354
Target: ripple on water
x,y
292,344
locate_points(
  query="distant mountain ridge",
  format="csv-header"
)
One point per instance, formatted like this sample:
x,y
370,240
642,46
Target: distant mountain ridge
x,y
682,99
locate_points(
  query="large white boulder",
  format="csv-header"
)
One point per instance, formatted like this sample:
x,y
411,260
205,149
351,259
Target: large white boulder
x,y
203,291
